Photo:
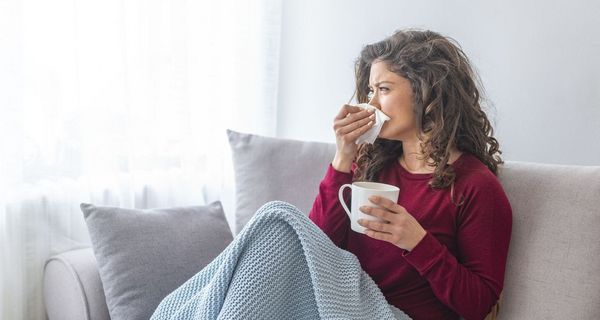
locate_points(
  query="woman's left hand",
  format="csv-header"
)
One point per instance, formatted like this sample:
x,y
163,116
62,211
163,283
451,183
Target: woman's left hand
x,y
399,227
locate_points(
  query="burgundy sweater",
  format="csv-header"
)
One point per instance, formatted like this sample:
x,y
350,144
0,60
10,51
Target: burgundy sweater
x,y
458,268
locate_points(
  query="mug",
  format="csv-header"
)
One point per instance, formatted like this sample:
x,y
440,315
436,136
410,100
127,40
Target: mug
x,y
361,191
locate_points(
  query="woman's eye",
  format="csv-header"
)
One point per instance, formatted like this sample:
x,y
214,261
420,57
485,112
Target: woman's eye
x,y
384,89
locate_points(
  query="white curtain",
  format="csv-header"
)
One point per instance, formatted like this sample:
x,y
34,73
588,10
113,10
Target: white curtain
x,y
119,102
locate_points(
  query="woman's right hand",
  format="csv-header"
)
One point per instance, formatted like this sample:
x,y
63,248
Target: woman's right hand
x,y
350,123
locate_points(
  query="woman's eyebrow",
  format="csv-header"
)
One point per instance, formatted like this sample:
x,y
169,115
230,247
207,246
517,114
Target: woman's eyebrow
x,y
381,82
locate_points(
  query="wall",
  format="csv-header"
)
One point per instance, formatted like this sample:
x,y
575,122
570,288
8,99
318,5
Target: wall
x,y
539,62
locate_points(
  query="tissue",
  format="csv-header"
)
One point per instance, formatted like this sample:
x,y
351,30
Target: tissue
x,y
371,134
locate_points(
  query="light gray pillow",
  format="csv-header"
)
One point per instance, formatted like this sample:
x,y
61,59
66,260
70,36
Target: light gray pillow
x,y
143,255
268,169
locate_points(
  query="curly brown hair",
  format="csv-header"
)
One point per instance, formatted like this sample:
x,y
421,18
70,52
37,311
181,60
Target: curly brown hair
x,y
446,102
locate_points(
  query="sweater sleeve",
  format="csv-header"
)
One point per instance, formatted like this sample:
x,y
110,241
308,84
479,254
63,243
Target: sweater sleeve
x,y
471,283
327,212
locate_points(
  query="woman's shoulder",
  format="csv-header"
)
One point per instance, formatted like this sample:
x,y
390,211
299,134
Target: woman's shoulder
x,y
472,173
469,165
477,184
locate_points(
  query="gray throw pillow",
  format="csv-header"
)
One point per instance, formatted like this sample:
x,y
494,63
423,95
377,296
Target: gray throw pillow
x,y
143,255
268,169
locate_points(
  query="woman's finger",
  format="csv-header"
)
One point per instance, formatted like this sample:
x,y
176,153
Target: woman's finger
x,y
351,117
352,136
347,109
384,214
376,225
353,126
387,204
383,236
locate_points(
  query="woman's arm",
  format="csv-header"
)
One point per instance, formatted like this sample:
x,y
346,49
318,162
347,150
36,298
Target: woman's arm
x,y
327,212
471,283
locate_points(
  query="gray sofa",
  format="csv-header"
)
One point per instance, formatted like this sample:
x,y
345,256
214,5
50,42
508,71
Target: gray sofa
x,y
554,258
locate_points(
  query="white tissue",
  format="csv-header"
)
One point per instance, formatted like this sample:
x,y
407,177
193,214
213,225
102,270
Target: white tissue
x,y
380,118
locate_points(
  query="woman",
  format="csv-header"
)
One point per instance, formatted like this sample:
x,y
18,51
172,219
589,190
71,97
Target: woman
x,y
441,251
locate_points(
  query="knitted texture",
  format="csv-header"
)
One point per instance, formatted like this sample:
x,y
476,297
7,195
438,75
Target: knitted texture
x,y
280,266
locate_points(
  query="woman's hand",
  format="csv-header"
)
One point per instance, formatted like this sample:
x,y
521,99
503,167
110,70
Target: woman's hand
x,y
399,227
350,123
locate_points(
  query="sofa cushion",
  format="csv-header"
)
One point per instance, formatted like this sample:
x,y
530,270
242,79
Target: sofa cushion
x,y
143,255
267,169
552,268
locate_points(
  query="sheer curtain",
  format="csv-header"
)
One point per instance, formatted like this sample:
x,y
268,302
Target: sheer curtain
x,y
119,102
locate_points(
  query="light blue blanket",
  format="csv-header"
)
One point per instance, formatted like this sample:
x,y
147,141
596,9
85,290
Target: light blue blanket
x,y
281,266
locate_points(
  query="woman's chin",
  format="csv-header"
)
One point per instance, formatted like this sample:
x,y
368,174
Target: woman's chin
x,y
395,133
384,134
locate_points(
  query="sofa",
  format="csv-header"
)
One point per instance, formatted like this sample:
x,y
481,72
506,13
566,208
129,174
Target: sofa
x,y
553,268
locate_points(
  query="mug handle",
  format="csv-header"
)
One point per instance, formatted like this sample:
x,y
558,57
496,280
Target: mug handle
x,y
341,197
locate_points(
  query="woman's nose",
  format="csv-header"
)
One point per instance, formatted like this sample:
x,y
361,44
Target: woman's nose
x,y
374,101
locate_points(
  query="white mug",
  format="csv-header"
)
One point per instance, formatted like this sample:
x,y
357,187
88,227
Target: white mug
x,y
361,191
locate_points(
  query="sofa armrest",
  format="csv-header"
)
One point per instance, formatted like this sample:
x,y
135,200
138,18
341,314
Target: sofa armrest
x,y
72,287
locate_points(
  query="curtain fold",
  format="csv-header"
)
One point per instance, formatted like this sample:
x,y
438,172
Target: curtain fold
x,y
120,103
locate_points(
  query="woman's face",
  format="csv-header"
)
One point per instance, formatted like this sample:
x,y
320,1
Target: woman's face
x,y
392,94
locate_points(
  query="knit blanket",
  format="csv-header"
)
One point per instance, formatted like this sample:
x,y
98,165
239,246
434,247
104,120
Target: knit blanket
x,y
280,266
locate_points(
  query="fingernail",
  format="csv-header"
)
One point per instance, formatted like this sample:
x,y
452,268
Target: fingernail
x,y
374,198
